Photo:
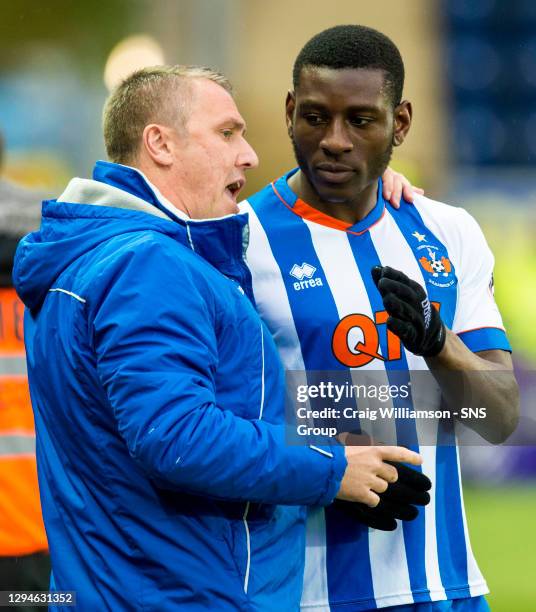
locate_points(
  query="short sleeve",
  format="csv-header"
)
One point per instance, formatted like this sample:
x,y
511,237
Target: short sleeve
x,y
477,321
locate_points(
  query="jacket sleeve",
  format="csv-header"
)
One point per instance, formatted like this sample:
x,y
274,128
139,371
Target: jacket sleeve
x,y
154,337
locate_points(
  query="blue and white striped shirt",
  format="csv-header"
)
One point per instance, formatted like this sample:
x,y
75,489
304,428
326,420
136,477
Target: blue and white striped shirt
x,y
313,288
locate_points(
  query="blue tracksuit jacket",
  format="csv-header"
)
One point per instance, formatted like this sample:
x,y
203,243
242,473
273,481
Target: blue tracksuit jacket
x,y
165,478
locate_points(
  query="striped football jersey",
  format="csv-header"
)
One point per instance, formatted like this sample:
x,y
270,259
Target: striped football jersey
x,y
313,288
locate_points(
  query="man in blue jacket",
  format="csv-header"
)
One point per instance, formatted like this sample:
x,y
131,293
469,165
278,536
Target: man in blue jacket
x,y
158,395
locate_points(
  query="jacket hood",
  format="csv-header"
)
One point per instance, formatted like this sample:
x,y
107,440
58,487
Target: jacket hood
x,y
118,200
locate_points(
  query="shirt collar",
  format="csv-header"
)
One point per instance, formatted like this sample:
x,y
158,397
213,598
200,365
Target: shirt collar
x,y
301,208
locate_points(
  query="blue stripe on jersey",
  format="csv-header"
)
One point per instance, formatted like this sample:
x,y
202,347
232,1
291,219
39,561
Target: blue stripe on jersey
x,y
448,514
343,533
485,339
451,546
409,220
276,220
397,371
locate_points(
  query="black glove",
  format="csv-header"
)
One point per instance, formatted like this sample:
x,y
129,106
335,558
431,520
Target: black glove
x,y
411,316
399,501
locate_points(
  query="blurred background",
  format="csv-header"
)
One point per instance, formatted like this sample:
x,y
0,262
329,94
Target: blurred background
x,y
471,75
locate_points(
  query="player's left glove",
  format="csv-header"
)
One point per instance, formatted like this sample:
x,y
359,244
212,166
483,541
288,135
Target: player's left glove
x,y
399,501
411,316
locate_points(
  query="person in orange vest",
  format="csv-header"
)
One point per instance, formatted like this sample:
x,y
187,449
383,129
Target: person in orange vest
x,y
24,559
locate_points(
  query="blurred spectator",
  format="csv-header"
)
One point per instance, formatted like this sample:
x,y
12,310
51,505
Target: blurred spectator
x,y
24,560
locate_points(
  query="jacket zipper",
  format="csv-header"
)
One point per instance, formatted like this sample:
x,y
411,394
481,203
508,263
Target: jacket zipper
x,y
246,509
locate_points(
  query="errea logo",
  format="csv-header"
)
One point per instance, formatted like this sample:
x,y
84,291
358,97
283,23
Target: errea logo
x,y
305,276
304,271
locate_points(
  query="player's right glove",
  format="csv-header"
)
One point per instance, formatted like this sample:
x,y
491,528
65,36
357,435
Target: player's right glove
x,y
411,316
399,501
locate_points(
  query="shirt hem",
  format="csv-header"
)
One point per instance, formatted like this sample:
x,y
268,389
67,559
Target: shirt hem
x,y
400,599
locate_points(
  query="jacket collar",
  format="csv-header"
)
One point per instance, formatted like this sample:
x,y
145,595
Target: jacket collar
x,y
222,242
133,181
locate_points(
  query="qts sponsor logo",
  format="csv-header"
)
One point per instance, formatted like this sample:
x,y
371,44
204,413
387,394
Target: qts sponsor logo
x,y
356,339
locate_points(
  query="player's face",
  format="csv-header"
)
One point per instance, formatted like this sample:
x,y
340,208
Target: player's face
x,y
212,157
343,127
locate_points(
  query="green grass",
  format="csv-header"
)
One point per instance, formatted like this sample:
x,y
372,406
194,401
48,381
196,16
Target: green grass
x,y
502,527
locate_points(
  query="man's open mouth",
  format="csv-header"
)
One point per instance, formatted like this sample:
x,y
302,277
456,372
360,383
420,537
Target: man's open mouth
x,y
235,188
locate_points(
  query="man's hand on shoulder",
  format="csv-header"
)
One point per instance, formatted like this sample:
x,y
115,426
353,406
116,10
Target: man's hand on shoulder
x,y
396,185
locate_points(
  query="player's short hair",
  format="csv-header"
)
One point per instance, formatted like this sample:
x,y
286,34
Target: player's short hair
x,y
354,46
150,96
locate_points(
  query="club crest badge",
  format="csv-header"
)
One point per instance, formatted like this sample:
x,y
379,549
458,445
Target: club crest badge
x,y
437,265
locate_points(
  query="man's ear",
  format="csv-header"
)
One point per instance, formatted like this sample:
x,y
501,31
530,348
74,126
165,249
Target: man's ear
x,y
156,140
402,123
290,107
